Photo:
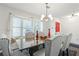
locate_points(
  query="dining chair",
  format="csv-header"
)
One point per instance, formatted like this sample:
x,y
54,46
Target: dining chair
x,y
47,47
0,48
68,41
5,46
6,49
63,42
41,34
0,44
14,49
13,44
65,47
29,36
53,46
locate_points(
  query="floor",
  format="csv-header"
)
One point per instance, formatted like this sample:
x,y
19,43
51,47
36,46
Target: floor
x,y
75,48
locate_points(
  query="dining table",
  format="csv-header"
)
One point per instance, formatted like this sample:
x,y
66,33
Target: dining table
x,y
33,45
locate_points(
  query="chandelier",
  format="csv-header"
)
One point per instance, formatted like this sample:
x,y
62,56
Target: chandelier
x,y
46,17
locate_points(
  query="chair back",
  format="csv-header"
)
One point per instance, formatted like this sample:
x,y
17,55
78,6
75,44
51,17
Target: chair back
x,y
0,44
29,36
64,41
68,40
5,46
13,45
53,46
41,34
47,48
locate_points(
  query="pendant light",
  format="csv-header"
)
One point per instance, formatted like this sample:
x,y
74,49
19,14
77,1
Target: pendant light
x,y
46,17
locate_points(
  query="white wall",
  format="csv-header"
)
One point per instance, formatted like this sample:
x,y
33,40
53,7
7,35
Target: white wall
x,y
4,17
71,25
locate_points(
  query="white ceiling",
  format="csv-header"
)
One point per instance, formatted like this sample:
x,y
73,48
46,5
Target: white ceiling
x,y
56,9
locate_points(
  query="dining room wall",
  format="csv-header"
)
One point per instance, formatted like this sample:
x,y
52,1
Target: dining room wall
x,y
71,25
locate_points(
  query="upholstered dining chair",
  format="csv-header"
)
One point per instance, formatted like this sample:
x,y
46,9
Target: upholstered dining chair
x,y
14,48
66,42
6,49
53,46
0,44
41,34
29,36
13,44
5,46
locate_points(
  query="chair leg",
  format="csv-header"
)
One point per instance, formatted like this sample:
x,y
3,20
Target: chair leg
x,y
63,53
60,53
67,52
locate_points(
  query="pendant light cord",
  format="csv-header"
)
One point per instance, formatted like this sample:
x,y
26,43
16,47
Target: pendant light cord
x,y
46,8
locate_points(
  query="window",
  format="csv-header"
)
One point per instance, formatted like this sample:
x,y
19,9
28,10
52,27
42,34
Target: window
x,y
16,26
27,26
19,26
38,25
41,26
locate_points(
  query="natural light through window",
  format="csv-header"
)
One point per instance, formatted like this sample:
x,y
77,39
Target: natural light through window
x,y
20,26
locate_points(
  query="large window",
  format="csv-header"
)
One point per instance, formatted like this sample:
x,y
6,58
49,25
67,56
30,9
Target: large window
x,y
19,26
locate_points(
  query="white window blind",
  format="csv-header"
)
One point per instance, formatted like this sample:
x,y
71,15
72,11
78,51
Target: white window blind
x,y
19,26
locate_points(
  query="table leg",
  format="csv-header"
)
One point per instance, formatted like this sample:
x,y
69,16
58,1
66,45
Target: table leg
x,y
30,52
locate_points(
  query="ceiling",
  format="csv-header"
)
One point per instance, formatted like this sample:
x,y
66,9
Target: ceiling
x,y
56,9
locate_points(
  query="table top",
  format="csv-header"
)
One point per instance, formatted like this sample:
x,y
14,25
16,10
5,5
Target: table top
x,y
28,44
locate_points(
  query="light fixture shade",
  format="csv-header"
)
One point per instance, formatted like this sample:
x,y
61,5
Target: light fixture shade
x,y
46,17
42,16
50,16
